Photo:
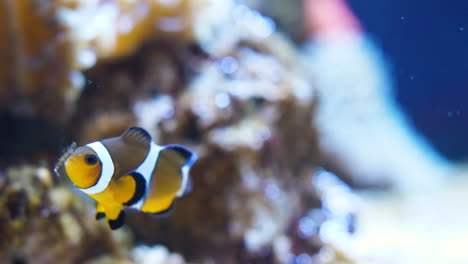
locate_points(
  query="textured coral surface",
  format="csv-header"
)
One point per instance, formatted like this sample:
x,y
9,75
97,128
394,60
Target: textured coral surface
x,y
43,222
214,75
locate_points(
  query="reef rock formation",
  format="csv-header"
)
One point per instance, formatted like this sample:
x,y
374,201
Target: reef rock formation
x,y
214,75
44,222
46,45
246,106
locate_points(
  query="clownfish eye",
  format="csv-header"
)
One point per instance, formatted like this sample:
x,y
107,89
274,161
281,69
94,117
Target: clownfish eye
x,y
91,159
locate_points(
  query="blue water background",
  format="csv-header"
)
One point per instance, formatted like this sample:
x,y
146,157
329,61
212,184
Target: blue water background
x,y
426,43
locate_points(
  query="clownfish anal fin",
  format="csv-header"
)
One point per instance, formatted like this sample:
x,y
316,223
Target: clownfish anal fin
x,y
129,189
166,211
140,189
117,223
137,136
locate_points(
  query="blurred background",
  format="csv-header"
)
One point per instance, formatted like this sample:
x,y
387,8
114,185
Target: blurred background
x,y
425,45
327,131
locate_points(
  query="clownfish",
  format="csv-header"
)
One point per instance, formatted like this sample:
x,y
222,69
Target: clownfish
x,y
129,171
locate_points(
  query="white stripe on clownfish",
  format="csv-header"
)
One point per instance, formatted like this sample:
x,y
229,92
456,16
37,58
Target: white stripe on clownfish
x,y
185,175
107,168
146,169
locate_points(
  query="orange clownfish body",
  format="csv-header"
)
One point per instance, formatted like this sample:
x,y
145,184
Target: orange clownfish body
x,y
129,171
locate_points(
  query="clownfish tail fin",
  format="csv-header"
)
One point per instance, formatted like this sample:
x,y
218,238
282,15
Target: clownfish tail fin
x,y
169,180
167,211
185,159
188,187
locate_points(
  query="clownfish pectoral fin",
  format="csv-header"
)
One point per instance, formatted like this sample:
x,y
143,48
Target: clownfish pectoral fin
x,y
137,136
118,222
139,190
100,214
130,189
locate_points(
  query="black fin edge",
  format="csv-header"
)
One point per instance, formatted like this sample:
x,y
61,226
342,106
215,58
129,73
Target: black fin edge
x,y
100,215
165,212
137,130
119,222
183,151
191,158
140,189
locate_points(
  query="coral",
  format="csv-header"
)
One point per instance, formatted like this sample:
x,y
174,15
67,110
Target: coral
x,y
43,222
48,43
244,103
213,75
279,133
37,66
155,255
413,228
287,14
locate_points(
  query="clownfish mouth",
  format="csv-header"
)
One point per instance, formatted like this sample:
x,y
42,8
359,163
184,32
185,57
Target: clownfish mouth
x,y
63,158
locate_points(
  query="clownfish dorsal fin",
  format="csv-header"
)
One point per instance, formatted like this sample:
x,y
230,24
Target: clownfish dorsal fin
x,y
137,136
